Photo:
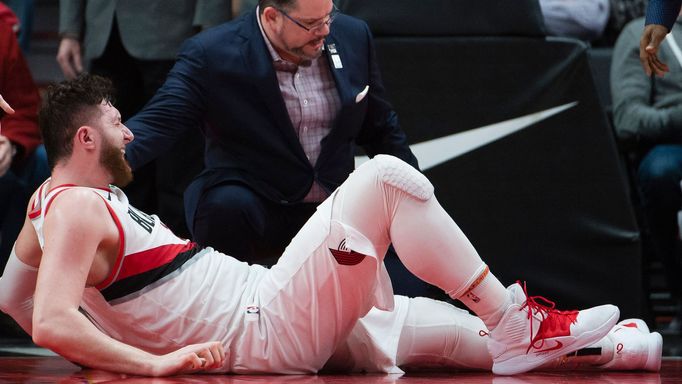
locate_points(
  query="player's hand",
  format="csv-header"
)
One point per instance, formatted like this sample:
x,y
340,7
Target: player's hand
x,y
649,44
69,57
190,359
6,154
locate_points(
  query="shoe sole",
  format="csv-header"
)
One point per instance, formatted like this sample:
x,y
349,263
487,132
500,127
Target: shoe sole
x,y
653,360
527,362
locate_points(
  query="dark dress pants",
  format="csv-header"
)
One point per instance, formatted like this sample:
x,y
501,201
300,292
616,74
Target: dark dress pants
x,y
235,220
659,175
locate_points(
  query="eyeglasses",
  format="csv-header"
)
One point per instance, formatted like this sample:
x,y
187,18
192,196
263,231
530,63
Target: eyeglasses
x,y
315,27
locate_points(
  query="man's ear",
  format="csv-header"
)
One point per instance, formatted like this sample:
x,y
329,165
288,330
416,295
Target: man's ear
x,y
270,15
85,135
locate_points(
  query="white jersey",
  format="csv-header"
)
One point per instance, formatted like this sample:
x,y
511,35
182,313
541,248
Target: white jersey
x,y
164,292
319,305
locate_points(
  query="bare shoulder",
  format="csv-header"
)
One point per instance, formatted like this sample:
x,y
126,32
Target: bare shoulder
x,y
77,207
75,216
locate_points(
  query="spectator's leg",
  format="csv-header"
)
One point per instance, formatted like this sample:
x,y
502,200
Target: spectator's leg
x,y
659,178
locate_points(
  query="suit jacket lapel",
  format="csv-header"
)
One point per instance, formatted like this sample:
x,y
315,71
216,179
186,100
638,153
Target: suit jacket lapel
x,y
259,62
341,76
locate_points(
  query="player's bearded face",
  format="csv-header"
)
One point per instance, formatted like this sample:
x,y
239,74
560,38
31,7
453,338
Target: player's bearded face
x,y
112,159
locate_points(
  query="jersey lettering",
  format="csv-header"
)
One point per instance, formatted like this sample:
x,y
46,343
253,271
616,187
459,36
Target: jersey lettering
x,y
144,220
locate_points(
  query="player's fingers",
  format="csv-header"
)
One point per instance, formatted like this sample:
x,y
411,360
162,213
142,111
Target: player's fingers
x,y
207,356
218,355
194,362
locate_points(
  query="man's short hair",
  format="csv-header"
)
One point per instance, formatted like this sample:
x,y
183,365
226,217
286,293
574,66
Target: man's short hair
x,y
285,5
67,106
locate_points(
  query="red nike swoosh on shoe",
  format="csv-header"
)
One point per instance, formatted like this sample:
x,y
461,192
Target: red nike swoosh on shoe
x,y
558,345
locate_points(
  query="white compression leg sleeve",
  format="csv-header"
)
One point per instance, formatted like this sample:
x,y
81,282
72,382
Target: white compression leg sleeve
x,y
437,334
388,201
17,286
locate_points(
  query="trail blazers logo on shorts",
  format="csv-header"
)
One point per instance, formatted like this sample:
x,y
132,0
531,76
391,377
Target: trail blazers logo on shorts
x,y
345,256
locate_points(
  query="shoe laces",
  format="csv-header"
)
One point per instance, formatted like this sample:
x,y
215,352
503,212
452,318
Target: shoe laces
x,y
552,320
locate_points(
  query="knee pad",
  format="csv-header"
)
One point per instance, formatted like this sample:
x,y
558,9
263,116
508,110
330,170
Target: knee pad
x,y
401,175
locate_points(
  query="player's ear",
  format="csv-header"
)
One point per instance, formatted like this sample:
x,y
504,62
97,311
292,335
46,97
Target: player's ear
x,y
85,137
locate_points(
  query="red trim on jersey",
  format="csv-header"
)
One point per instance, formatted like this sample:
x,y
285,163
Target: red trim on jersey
x,y
141,262
34,213
49,203
62,185
121,248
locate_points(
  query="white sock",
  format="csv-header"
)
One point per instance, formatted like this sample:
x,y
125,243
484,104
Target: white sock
x,y
487,297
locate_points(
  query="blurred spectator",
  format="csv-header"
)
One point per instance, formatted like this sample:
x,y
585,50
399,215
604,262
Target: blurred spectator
x,y
134,44
242,6
24,11
621,12
23,163
596,21
8,17
648,118
581,19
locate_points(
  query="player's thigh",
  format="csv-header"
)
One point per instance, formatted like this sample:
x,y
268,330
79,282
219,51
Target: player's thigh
x,y
308,303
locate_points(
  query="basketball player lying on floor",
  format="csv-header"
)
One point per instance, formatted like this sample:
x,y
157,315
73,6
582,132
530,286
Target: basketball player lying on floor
x,y
110,287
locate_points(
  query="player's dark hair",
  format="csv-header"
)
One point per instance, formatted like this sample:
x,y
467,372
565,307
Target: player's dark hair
x,y
67,106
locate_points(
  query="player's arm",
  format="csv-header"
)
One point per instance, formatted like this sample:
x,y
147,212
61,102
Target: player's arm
x,y
79,231
18,281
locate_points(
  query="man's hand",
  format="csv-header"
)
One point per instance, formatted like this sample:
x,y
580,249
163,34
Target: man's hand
x,y
7,152
651,40
192,358
69,57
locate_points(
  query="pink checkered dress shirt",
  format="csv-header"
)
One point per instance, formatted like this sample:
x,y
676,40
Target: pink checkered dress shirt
x,y
311,98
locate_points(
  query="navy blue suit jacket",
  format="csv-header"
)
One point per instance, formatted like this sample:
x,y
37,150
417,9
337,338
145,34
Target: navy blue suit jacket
x,y
663,12
224,83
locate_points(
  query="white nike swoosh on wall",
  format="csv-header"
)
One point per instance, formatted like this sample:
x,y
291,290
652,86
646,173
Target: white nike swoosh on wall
x,y
437,151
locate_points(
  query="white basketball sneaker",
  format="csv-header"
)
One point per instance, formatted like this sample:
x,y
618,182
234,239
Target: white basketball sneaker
x,y
628,346
531,334
634,347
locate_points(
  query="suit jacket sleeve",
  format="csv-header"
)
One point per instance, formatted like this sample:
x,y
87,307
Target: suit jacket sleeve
x,y
636,114
381,132
663,12
71,14
18,88
177,106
